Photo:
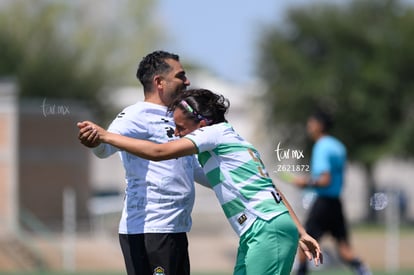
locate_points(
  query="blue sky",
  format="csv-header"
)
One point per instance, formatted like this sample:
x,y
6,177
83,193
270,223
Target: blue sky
x,y
221,35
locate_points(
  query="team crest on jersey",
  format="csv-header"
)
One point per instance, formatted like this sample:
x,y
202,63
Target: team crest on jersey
x,y
159,271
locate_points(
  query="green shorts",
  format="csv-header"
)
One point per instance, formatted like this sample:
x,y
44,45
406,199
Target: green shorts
x,y
268,247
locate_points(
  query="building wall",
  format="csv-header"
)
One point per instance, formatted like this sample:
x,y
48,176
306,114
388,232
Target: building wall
x,y
51,159
8,156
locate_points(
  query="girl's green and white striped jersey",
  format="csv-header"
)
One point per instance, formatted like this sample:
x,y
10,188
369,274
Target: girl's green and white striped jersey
x,y
237,175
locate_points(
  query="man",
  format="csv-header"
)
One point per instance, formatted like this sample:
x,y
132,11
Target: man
x,y
159,196
328,161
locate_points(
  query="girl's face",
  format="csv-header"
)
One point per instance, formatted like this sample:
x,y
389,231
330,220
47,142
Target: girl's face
x,y
184,125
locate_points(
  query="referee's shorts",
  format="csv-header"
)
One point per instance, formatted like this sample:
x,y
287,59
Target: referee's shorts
x,y
155,253
326,216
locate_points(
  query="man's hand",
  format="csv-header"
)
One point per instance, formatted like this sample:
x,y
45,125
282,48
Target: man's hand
x,y
87,134
311,249
301,182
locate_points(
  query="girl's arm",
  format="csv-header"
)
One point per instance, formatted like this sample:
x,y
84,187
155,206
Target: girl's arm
x,y
308,244
142,148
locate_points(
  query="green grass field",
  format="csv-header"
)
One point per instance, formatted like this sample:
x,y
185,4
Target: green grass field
x,y
338,270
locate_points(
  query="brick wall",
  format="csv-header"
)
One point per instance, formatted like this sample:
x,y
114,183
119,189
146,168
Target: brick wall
x,y
8,156
52,159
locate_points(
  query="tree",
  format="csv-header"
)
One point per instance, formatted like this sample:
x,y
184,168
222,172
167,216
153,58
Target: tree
x,y
354,59
74,50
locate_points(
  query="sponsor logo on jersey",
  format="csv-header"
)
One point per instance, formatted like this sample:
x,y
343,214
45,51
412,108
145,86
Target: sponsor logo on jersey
x,y
159,271
242,219
169,131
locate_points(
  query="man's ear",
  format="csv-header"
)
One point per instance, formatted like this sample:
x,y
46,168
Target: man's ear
x,y
157,80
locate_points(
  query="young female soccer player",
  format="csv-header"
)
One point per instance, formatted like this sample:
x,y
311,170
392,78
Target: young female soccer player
x,y
268,228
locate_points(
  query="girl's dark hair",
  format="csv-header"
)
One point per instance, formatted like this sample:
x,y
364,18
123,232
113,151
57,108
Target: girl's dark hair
x,y
201,104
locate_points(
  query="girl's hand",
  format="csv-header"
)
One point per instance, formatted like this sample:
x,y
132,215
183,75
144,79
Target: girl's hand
x,y
311,249
90,134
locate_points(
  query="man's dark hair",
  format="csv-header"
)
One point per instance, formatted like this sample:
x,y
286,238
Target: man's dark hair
x,y
323,118
153,64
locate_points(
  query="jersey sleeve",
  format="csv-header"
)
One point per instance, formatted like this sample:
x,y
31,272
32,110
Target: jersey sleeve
x,y
129,123
104,150
205,138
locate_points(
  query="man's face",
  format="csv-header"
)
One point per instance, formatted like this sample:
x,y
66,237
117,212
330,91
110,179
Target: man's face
x,y
314,128
174,81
